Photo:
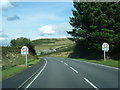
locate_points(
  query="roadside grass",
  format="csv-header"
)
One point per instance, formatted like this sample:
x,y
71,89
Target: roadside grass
x,y
33,62
12,71
17,69
0,74
12,61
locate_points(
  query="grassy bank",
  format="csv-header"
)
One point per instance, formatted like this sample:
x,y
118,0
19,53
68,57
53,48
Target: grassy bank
x,y
13,62
17,69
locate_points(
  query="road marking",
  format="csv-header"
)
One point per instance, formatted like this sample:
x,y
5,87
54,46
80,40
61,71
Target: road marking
x,y
62,61
102,65
66,64
90,83
36,76
95,64
74,69
27,80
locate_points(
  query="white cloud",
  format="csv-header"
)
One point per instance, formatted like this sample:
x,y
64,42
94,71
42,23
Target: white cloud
x,y
5,4
4,41
55,30
68,36
1,38
47,29
40,38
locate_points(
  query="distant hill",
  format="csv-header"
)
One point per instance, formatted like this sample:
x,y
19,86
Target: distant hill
x,y
51,43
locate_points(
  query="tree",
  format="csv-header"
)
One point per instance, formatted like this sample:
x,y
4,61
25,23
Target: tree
x,y
96,22
19,42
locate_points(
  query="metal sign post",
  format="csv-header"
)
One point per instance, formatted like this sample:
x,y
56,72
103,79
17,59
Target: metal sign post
x,y
104,56
25,51
26,60
105,48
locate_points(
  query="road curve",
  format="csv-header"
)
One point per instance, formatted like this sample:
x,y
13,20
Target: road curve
x,y
68,73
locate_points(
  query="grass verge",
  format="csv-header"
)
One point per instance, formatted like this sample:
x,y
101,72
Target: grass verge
x,y
0,74
16,69
33,62
12,71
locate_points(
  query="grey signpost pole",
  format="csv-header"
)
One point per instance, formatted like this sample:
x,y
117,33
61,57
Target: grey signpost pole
x,y
104,56
26,60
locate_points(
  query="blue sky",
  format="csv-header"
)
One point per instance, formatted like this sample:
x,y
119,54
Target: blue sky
x,y
34,20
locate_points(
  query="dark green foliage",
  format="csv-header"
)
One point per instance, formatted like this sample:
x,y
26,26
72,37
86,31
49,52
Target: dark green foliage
x,y
20,42
96,22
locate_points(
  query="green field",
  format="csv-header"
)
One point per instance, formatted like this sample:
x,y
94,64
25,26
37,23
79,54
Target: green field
x,y
51,43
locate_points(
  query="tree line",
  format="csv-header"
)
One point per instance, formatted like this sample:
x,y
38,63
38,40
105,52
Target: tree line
x,y
95,23
20,42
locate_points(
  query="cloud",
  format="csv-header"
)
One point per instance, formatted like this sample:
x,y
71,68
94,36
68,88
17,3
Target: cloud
x,y
12,18
4,42
47,29
4,39
1,38
5,5
55,30
40,37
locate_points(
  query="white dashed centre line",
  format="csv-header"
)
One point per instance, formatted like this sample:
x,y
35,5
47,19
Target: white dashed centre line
x,y
74,69
83,77
66,64
90,83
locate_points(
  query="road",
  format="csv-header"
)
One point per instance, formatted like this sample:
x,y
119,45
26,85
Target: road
x,y
66,73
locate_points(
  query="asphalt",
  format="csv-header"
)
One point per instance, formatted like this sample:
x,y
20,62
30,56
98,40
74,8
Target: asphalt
x,y
53,72
18,79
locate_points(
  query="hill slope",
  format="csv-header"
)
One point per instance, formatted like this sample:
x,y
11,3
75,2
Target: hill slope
x,y
62,45
51,43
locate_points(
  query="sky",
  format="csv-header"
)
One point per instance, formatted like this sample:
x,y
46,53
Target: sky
x,y
34,20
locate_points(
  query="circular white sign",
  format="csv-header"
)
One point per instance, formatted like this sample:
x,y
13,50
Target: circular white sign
x,y
24,50
105,47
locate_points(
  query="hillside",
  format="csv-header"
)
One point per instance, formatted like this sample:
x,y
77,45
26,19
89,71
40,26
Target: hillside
x,y
51,43
63,46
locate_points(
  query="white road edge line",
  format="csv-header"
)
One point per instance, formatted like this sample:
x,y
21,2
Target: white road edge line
x,y
66,64
74,69
90,83
96,64
36,76
27,80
